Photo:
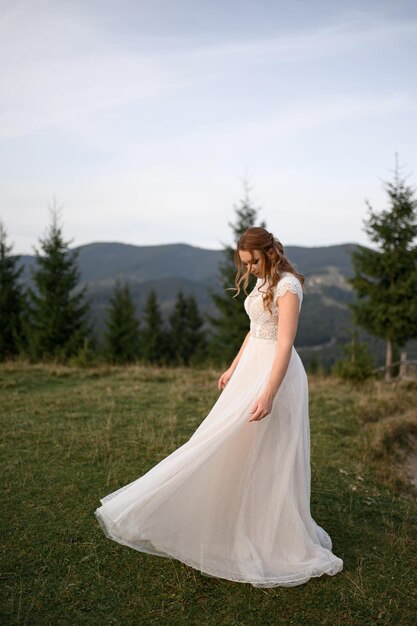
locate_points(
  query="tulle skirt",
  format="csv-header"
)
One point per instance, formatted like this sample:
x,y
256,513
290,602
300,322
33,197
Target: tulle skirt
x,y
234,501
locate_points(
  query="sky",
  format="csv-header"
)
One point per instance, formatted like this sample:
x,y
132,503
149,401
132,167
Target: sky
x,y
141,120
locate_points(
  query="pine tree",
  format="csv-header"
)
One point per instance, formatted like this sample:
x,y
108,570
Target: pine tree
x,y
197,333
11,299
232,324
179,332
356,363
386,279
122,327
153,337
57,317
187,339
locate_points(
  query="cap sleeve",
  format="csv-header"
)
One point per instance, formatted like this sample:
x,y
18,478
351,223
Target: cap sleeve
x,y
289,282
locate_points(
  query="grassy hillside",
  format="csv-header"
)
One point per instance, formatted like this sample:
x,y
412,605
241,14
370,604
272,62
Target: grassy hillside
x,y
70,436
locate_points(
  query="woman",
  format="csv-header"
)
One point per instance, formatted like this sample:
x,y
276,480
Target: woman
x,y
234,500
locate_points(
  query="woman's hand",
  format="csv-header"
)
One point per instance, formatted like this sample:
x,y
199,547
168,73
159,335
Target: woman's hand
x,y
225,377
262,406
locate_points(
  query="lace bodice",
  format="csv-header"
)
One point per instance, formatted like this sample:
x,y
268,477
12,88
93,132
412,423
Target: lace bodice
x,y
263,325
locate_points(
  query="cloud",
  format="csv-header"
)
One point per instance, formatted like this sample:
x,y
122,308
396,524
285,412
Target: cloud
x,y
59,70
341,36
55,93
130,118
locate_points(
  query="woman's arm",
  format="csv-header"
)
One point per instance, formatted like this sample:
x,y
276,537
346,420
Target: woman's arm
x,y
225,377
287,329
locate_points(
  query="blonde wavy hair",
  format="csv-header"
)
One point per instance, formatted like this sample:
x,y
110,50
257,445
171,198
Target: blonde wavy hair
x,y
258,238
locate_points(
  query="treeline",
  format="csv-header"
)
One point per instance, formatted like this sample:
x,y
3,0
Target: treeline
x,y
52,321
127,339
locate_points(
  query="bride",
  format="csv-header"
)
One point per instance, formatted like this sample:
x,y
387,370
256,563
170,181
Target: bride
x,y
234,500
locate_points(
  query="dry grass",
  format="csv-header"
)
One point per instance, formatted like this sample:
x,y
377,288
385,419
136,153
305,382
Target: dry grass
x,y
381,399
388,412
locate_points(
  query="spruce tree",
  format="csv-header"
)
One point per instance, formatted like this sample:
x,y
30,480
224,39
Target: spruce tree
x,y
153,337
232,323
179,332
122,327
57,317
386,279
11,299
197,333
356,363
186,337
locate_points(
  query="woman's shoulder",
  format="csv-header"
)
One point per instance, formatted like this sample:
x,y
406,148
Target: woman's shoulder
x,y
288,277
289,282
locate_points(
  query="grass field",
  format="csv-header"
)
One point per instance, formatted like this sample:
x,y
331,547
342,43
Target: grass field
x,y
70,436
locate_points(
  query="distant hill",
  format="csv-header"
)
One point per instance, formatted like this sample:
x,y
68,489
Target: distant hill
x,y
102,261
325,317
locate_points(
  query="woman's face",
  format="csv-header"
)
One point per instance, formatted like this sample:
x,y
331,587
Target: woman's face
x,y
257,266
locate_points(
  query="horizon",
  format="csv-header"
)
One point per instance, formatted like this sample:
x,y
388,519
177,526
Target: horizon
x,y
182,243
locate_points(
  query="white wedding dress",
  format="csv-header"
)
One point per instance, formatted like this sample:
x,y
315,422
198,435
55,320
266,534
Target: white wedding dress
x,y
234,500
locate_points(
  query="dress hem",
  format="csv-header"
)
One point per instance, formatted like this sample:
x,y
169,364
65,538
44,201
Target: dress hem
x,y
335,567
